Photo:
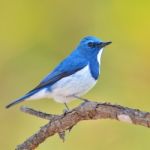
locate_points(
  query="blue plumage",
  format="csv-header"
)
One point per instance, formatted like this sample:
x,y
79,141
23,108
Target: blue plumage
x,y
74,76
94,68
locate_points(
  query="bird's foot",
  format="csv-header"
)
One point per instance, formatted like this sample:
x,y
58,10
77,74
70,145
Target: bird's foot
x,y
65,111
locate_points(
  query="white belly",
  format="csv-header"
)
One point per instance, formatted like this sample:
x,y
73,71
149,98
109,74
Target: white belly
x,y
76,84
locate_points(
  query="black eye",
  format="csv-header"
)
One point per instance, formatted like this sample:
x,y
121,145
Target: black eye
x,y
91,44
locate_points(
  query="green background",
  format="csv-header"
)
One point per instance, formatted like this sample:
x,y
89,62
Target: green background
x,y
36,34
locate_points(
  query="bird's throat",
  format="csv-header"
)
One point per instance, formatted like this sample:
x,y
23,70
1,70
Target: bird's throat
x,y
99,56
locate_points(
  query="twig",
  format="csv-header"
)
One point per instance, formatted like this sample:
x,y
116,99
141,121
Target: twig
x,y
38,113
86,111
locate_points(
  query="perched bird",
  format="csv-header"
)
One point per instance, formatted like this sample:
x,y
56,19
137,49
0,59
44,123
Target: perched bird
x,y
73,77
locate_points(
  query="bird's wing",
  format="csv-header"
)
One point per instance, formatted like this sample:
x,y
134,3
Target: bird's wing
x,y
66,68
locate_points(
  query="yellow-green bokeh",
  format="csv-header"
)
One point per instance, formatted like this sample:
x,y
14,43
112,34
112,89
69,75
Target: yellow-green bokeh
x,y
35,35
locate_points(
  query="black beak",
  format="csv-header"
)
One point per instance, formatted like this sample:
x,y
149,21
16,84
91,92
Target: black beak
x,y
103,44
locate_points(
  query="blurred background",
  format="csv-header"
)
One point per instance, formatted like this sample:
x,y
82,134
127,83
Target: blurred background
x,y
35,35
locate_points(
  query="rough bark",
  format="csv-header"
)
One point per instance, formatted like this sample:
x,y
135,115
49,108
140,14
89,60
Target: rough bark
x,y
86,111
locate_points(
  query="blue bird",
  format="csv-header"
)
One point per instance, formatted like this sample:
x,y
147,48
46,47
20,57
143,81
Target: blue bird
x,y
73,77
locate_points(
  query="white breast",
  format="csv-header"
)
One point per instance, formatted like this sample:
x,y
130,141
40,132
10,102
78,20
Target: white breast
x,y
76,84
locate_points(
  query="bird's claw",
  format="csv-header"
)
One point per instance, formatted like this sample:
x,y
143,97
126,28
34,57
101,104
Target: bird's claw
x,y
65,111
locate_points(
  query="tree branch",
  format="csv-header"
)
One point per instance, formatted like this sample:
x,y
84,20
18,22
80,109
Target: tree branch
x,y
86,111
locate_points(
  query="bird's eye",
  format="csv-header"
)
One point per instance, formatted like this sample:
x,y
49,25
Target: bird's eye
x,y
91,44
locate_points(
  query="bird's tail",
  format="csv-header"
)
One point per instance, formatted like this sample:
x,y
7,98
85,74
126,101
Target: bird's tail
x,y
20,99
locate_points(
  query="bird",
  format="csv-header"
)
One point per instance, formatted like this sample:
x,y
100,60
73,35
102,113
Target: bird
x,y
73,77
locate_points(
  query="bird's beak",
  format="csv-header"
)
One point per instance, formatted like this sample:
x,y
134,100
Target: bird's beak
x,y
103,44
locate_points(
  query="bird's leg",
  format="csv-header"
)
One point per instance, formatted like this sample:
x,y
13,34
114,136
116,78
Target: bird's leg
x,y
66,106
83,99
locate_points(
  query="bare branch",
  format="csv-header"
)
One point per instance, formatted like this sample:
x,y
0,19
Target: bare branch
x,y
86,111
38,113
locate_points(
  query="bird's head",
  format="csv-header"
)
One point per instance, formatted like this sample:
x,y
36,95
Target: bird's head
x,y
91,45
